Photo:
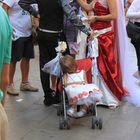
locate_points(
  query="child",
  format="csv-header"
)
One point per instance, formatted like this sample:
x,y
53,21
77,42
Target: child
x,y
79,92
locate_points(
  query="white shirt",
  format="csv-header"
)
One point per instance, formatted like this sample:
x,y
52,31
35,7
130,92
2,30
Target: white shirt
x,y
133,12
19,19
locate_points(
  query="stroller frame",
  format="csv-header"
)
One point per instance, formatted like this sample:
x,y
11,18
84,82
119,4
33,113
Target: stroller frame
x,y
64,119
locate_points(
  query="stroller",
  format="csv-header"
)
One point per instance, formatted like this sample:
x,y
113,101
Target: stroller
x,y
64,119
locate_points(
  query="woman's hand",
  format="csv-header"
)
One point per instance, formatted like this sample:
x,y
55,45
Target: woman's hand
x,y
91,19
91,35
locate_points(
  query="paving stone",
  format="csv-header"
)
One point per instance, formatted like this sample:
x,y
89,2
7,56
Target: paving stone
x,y
30,119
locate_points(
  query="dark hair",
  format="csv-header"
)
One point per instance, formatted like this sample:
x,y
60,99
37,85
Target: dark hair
x,y
68,64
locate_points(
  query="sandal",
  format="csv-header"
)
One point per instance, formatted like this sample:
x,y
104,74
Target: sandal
x,y
53,93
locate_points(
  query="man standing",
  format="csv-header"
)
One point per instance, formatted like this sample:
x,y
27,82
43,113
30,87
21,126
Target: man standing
x,y
22,45
50,16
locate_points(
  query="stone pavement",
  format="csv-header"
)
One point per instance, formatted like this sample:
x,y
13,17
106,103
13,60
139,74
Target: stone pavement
x,y
29,119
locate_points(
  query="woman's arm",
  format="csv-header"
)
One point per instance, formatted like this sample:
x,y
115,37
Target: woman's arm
x,y
111,16
6,8
74,19
134,10
65,79
85,77
87,7
26,5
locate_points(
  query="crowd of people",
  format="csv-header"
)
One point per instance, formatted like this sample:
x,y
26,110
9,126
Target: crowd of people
x,y
60,20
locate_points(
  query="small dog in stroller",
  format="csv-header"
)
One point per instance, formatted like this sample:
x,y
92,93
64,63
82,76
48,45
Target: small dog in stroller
x,y
76,86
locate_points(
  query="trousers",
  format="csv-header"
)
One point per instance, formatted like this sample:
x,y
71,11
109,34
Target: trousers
x,y
47,44
137,48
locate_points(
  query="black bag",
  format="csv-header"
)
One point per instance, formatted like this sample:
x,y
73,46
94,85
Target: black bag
x,y
133,31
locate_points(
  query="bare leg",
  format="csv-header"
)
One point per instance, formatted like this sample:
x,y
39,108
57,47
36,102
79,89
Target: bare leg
x,y
24,65
11,88
85,107
73,106
82,112
53,80
12,72
25,85
4,80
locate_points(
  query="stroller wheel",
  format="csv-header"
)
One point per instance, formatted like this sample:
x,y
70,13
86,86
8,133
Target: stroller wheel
x,y
64,124
100,123
67,124
93,123
61,124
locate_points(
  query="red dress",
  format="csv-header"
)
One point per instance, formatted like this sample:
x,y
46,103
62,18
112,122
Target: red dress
x,y
108,62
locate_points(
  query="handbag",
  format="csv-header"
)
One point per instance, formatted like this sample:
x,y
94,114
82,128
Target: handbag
x,y
133,31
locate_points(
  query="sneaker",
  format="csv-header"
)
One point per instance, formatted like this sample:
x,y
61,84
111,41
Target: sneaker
x,y
71,112
28,87
11,90
81,113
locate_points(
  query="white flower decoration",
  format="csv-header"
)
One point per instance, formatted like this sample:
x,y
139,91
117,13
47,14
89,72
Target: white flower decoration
x,y
61,46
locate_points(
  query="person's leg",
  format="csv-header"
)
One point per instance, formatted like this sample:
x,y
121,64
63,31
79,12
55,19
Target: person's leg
x,y
11,88
137,48
24,66
3,124
138,56
28,53
54,80
82,111
16,54
4,81
12,72
47,43
72,110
